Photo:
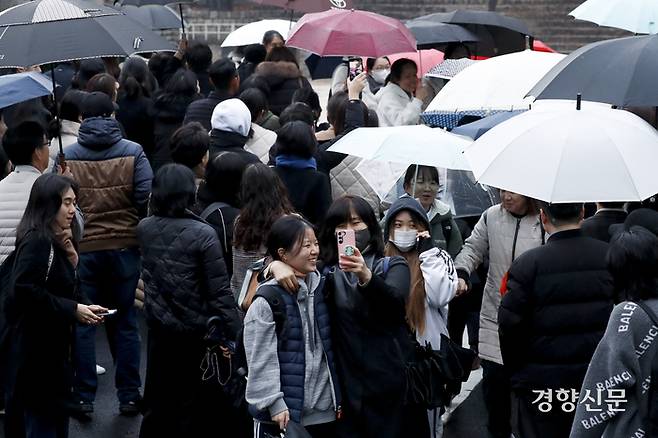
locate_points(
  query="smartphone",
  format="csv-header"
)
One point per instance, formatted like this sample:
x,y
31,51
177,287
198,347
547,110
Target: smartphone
x,y
356,68
110,312
346,242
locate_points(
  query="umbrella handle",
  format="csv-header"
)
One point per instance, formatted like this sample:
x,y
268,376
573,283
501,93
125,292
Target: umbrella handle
x,y
182,22
59,129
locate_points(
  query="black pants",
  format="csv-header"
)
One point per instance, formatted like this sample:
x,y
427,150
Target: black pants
x,y
530,422
268,430
464,314
497,398
176,403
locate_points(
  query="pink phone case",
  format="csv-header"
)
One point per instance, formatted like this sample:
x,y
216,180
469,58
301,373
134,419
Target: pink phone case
x,y
346,242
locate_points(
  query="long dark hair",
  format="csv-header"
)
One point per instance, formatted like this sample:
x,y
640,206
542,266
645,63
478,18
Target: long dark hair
x,y
340,212
223,176
43,206
136,79
264,199
633,262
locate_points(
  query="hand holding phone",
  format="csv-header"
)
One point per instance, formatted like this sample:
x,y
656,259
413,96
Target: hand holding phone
x,y
110,312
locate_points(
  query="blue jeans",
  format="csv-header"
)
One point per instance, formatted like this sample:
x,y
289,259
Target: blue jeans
x,y
109,278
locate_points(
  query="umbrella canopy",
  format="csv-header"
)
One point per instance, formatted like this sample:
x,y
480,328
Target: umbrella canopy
x,y
154,17
60,41
620,72
157,2
307,6
53,10
252,33
424,59
20,87
476,129
557,153
499,83
431,34
417,144
497,34
448,68
340,32
637,16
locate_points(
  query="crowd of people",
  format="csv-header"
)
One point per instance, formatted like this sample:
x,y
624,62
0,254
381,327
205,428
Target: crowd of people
x,y
204,191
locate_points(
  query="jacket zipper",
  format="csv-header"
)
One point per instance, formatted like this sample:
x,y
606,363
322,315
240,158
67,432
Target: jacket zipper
x,y
516,235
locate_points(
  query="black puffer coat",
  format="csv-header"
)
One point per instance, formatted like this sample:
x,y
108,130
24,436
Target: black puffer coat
x,y
184,275
284,78
169,111
555,311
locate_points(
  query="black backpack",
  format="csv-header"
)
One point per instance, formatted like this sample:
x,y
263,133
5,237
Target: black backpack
x,y
652,431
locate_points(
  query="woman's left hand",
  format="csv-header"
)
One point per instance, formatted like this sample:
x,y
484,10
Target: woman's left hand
x,y
423,235
357,265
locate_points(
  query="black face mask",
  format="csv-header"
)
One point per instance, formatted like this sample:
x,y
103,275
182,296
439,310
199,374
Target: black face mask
x,y
362,238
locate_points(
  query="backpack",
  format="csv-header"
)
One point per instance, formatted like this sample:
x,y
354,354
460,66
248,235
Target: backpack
x,y
652,431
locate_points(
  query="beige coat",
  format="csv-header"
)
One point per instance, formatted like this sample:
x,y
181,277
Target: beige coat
x,y
494,235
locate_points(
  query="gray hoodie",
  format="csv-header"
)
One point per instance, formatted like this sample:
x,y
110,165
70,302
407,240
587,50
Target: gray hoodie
x,y
621,370
264,382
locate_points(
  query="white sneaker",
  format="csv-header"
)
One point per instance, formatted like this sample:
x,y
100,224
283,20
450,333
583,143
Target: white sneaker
x,y
99,370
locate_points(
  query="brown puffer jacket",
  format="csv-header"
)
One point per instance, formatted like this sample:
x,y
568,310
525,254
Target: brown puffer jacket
x,y
115,182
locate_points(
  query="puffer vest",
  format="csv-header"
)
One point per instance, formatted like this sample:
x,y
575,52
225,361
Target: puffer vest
x,y
291,348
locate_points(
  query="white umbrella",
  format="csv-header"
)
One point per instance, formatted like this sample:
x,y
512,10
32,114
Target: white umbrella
x,y
416,144
252,33
388,151
637,16
498,83
557,153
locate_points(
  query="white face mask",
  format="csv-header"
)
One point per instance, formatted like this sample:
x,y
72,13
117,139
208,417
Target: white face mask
x,y
404,240
380,75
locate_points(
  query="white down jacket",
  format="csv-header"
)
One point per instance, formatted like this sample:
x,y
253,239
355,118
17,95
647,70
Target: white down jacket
x,y
14,194
261,142
499,234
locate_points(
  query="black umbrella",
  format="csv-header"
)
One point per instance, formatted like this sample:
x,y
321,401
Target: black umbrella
x,y
61,41
620,72
154,17
497,34
45,11
322,67
162,2
51,37
432,34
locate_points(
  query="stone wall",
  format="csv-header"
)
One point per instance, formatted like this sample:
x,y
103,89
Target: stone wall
x,y
547,19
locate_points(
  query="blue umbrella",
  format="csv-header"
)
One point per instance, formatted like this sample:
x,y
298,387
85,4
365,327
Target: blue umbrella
x,y
479,127
20,87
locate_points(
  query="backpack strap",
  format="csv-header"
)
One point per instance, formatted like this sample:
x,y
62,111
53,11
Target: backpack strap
x,y
386,265
217,206
271,295
648,311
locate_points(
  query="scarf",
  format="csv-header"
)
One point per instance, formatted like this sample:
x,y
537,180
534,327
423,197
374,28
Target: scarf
x,y
64,238
296,162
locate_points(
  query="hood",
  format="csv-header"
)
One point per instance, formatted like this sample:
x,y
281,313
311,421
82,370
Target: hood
x,y
231,115
277,72
405,203
99,132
